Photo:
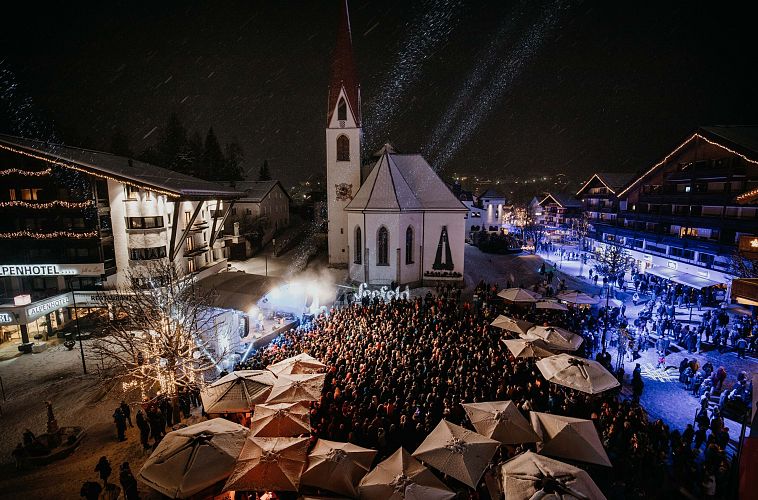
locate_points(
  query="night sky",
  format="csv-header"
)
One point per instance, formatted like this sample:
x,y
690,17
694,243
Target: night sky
x,y
480,87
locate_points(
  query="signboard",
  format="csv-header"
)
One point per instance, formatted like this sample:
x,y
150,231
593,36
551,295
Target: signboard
x,y
7,270
6,317
384,293
46,306
22,300
671,264
748,247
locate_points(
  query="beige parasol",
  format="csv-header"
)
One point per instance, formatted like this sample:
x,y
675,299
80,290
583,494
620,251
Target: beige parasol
x,y
519,295
269,463
337,467
568,437
194,458
554,306
511,325
529,475
391,479
500,420
576,297
457,452
237,392
280,420
528,348
297,387
556,337
581,374
302,363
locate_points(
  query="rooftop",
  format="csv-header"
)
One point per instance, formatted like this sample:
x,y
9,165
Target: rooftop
x,y
119,168
255,191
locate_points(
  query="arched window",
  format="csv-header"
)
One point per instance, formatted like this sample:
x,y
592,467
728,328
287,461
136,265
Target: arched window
x,y
409,245
382,247
343,148
342,110
358,246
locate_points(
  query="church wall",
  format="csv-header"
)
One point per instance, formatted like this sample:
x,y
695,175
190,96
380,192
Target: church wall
x,y
355,271
456,224
411,273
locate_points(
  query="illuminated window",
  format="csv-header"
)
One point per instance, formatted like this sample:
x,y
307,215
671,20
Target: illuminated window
x,y
343,148
12,193
130,192
382,247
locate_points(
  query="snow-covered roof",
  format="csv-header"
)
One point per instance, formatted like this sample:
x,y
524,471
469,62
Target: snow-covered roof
x,y
400,182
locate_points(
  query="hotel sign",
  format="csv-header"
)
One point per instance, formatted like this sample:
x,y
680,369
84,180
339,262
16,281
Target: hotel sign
x,y
7,270
48,306
6,317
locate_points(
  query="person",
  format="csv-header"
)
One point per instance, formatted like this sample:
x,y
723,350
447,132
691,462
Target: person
x,y
19,453
637,384
103,467
635,298
127,411
144,429
90,490
120,421
128,482
741,347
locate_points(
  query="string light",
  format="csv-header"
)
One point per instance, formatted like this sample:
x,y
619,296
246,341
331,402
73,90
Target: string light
x,y
51,204
598,178
682,145
89,172
47,236
30,173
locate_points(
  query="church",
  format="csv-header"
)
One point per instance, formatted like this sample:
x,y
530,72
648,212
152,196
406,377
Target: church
x,y
397,222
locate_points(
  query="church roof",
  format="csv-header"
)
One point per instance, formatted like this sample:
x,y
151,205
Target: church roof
x,y
343,70
400,182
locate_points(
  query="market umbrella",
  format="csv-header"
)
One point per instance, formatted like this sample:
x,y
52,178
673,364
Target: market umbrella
x,y
302,363
533,476
500,420
568,437
518,295
337,467
576,297
392,478
269,464
280,420
237,392
581,374
521,348
555,337
297,387
511,325
457,452
194,458
554,306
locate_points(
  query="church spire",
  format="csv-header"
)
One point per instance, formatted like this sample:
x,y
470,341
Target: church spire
x,y
343,70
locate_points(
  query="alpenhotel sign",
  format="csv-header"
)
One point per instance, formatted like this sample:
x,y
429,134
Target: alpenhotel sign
x,y
7,270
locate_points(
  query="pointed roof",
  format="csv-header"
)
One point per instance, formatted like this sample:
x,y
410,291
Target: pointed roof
x,y
343,70
400,182
563,199
491,193
615,181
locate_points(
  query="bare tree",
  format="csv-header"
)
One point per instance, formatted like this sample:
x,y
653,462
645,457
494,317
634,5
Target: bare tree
x,y
743,267
163,343
581,227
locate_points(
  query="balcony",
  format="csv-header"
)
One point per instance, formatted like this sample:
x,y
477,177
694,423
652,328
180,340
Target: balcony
x,y
196,251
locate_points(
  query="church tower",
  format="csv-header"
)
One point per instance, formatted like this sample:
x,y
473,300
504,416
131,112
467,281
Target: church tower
x,y
343,141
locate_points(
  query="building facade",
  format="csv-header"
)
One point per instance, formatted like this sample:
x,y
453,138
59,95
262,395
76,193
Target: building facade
x,y
73,221
559,210
683,217
264,208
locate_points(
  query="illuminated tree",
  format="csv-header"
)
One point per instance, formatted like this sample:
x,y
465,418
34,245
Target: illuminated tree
x,y
612,261
159,342
581,227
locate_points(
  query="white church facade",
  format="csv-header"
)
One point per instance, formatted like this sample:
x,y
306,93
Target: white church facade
x,y
401,224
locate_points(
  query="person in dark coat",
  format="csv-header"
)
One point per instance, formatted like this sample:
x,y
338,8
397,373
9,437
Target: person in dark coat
x,y
103,468
120,420
144,429
127,412
128,482
90,490
637,384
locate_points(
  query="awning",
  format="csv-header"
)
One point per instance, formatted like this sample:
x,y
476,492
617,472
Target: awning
x,y
687,279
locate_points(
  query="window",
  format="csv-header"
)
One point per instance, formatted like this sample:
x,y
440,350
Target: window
x,y
29,194
12,193
187,218
382,247
248,211
144,222
343,148
151,253
342,110
358,246
409,245
130,192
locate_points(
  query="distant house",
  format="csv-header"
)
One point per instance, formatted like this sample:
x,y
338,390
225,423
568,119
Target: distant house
x,y
265,206
558,209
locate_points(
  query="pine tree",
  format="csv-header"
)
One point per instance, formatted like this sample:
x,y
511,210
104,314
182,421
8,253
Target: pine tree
x,y
213,159
234,156
263,173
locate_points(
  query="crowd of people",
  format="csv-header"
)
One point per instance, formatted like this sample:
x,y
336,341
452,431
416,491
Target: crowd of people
x,y
395,369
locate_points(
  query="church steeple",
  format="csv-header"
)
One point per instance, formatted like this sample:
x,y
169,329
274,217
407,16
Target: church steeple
x,y
344,77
